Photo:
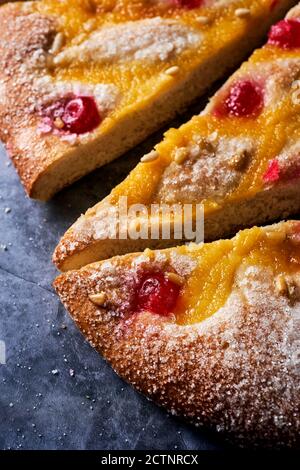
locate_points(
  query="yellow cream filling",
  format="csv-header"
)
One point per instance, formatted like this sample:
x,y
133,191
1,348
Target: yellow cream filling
x,y
210,284
136,80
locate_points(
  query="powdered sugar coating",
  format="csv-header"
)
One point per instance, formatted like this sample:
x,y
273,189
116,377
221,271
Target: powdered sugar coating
x,y
48,90
200,176
279,77
285,167
276,78
237,371
100,224
207,172
290,155
154,39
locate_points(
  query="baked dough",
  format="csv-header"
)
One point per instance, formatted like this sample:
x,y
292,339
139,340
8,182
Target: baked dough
x,y
136,63
239,158
209,331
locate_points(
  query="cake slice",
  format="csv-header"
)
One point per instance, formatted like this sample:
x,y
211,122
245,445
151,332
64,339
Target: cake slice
x,y
240,158
211,332
83,81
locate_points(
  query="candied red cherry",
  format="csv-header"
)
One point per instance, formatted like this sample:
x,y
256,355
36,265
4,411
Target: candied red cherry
x,y
285,34
81,115
244,99
189,4
157,294
272,173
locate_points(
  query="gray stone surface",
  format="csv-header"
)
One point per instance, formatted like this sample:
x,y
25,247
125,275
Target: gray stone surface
x,y
44,410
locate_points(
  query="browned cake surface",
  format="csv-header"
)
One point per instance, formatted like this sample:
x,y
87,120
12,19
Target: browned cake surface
x,y
236,370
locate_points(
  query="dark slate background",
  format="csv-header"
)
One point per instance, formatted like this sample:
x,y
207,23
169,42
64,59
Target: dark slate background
x,y
41,410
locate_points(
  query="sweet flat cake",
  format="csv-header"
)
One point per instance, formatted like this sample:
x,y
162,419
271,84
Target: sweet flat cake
x,y
239,158
82,81
209,331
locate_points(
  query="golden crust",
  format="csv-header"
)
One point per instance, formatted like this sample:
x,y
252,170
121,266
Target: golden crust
x,y
236,371
45,165
80,244
213,178
21,36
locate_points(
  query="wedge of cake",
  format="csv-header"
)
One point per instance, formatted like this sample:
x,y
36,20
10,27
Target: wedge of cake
x,y
83,81
211,332
239,158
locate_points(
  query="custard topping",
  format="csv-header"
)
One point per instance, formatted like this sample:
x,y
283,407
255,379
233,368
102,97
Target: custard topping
x,y
211,282
189,41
